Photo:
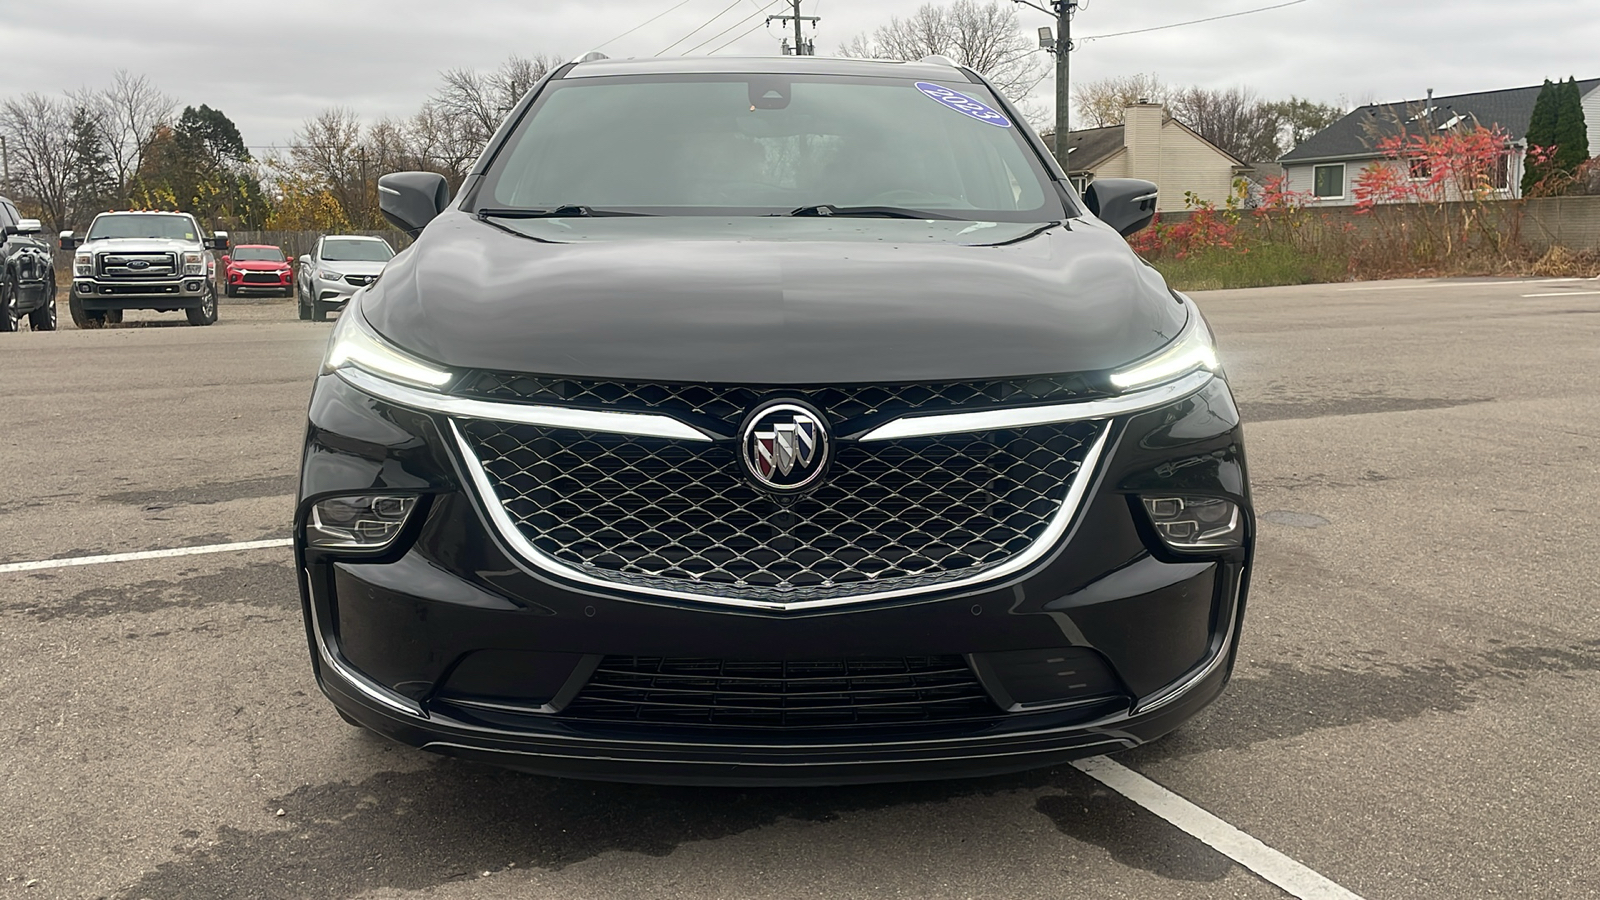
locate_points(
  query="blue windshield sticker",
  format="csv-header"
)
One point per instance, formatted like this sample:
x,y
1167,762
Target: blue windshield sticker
x,y
963,104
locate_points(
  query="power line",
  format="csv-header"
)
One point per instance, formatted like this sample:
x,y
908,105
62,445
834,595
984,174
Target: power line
x,y
742,36
704,24
1096,37
732,27
672,8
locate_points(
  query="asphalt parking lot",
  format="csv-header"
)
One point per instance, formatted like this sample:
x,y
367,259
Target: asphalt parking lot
x,y
1415,713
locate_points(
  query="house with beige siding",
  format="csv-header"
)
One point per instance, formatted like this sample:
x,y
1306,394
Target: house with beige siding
x,y
1327,165
1152,145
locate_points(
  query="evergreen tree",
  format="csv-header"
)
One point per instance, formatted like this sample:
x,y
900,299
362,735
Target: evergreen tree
x,y
92,184
1571,132
1541,133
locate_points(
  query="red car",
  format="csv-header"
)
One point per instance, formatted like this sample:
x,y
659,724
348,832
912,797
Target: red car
x,y
258,267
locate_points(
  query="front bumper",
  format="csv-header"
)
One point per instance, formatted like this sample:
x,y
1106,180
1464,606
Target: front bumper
x,y
236,280
397,641
102,296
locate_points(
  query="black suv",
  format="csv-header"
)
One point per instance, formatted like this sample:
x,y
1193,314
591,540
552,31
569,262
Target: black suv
x,y
27,273
771,421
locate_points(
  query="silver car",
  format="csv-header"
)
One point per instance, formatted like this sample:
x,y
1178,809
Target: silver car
x,y
335,269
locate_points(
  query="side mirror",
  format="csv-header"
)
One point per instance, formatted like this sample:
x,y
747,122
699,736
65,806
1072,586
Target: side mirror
x,y
227,260
410,200
305,260
219,241
25,226
69,241
1126,204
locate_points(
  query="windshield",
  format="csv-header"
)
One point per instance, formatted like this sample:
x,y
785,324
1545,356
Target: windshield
x,y
143,225
346,250
258,254
770,144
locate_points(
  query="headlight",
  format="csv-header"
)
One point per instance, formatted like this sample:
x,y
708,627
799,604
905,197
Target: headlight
x,y
83,265
329,275
1191,351
194,263
355,344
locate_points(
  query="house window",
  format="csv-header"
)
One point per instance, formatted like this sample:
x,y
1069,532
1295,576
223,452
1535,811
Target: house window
x,y
1327,182
1500,172
1420,169
1080,183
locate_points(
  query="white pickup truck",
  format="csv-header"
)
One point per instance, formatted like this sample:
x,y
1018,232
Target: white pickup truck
x,y
142,260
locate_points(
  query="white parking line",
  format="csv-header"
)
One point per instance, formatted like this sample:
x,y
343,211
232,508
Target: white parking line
x,y
1564,294
143,554
1455,284
1243,849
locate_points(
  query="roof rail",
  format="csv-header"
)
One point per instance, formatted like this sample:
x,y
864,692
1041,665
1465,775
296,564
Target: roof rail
x,y
938,59
591,56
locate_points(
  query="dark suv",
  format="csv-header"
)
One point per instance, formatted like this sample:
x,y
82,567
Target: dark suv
x,y
825,435
27,273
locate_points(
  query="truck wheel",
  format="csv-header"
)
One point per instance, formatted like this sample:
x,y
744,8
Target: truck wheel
x,y
82,317
113,316
44,318
206,312
9,316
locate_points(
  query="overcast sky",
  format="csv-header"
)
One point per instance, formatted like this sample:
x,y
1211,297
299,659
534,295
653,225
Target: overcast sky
x,y
271,65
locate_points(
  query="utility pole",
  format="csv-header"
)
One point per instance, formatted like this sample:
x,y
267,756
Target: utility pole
x,y
1064,12
1060,44
800,48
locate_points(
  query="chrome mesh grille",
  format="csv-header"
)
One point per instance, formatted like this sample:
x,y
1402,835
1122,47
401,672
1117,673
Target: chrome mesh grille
x,y
135,266
681,515
729,403
782,694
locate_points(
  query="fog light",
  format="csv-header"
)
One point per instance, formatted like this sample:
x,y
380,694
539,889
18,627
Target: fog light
x,y
1196,523
366,522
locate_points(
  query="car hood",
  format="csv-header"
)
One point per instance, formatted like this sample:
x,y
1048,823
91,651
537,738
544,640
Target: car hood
x,y
256,265
773,301
138,245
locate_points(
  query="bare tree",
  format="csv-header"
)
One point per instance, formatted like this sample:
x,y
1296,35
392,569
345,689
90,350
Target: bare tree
x,y
987,36
327,150
129,113
474,102
43,160
1100,103
1234,119
438,145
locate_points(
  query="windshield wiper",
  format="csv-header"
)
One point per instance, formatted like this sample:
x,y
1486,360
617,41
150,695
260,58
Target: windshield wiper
x,y
555,212
874,212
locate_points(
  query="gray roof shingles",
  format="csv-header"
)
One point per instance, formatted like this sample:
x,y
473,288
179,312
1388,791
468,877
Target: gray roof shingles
x,y
1356,134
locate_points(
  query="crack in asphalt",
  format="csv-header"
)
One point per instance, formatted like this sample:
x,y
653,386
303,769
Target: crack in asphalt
x,y
265,584
1319,407
206,494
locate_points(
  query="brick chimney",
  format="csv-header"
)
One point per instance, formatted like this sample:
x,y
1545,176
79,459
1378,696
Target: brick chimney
x,y
1142,136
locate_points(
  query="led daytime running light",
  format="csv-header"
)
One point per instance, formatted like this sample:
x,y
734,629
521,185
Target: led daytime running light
x,y
354,344
1192,350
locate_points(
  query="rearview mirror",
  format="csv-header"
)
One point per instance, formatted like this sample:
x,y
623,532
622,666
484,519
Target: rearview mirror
x,y
1126,204
69,241
219,241
410,200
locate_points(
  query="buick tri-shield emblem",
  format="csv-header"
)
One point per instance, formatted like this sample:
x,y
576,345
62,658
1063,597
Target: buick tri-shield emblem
x,y
785,446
